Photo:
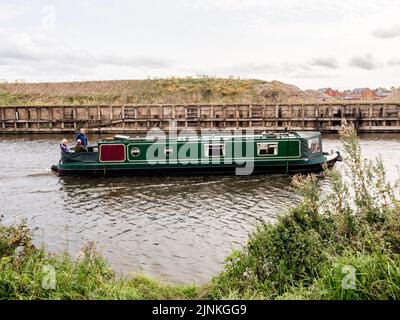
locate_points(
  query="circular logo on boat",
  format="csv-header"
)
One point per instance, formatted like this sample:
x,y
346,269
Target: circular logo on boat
x,y
168,151
135,152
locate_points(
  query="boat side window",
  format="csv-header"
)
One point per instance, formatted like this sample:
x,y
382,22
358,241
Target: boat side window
x,y
135,152
314,145
215,150
168,151
267,149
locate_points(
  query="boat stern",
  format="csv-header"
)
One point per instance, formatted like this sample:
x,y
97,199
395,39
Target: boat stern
x,y
54,168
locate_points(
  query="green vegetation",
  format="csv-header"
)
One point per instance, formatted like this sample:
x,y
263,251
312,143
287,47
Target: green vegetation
x,y
155,91
6,98
308,252
23,270
340,244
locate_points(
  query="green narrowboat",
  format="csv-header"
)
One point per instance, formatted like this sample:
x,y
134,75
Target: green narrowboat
x,y
287,153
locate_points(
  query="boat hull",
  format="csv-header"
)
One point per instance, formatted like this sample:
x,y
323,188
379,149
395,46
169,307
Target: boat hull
x,y
290,167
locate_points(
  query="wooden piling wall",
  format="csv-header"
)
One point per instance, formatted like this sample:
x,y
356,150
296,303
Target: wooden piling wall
x,y
327,117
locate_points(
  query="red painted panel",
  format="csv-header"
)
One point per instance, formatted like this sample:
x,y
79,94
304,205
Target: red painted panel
x,y
112,153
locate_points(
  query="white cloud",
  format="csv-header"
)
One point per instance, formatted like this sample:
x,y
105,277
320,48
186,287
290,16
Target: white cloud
x,y
310,43
365,62
41,52
326,62
10,11
271,7
387,33
394,62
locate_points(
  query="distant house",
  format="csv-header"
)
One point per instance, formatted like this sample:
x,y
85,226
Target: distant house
x,y
330,92
322,90
357,94
382,93
363,93
348,95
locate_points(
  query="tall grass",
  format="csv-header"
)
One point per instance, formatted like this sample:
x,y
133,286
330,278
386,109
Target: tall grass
x,y
308,252
23,271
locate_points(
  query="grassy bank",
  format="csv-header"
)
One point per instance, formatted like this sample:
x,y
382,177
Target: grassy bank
x,y
340,244
24,270
344,244
172,90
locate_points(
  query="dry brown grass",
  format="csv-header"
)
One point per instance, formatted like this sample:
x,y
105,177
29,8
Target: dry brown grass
x,y
172,90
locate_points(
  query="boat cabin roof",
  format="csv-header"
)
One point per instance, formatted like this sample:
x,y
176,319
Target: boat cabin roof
x,y
220,136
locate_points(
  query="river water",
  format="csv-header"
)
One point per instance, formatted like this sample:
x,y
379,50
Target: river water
x,y
178,229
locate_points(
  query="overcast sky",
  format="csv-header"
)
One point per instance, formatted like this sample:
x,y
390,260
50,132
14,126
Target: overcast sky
x,y
309,43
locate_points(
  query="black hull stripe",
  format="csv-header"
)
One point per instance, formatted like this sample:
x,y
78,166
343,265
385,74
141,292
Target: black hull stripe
x,y
292,169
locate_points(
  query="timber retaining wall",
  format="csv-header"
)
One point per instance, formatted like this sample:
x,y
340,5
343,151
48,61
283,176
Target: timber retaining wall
x,y
327,117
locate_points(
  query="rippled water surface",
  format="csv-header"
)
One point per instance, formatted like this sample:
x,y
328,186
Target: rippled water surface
x,y
176,228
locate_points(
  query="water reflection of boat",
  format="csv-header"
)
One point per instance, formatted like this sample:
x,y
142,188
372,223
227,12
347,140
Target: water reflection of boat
x,y
264,153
